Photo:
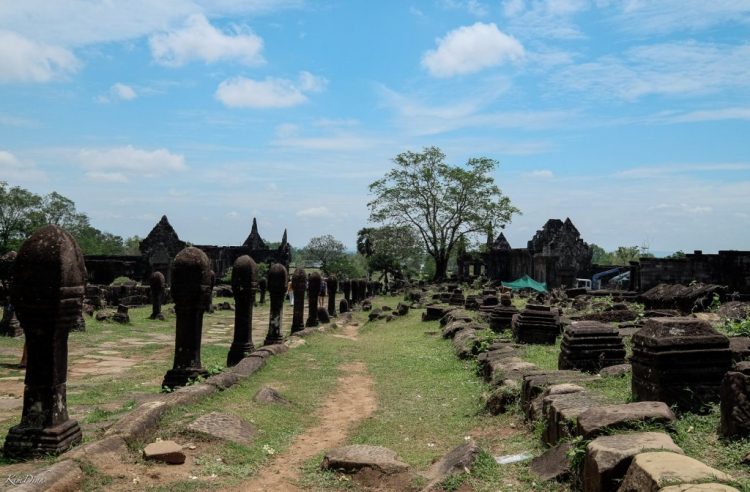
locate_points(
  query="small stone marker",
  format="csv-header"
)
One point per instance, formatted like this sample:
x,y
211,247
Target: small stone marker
x,y
554,464
9,325
323,317
277,286
157,283
299,282
50,282
166,451
313,291
333,286
244,287
537,325
226,427
270,395
121,316
191,290
355,457
459,460
589,346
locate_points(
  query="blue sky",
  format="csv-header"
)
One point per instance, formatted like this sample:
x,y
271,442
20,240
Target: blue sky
x,y
631,117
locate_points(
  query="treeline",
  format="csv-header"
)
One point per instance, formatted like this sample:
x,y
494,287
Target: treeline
x,y
22,212
623,255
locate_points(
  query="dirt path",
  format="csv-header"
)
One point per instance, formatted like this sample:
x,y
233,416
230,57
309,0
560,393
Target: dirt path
x,y
353,400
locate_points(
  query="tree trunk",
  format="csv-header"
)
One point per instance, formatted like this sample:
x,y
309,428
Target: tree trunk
x,y
441,268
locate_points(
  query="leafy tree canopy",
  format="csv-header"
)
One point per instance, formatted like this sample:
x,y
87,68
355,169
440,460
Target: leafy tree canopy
x,y
392,249
323,249
22,212
442,203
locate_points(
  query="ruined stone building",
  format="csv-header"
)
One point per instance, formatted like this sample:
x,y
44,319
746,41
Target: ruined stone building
x,y
556,255
162,244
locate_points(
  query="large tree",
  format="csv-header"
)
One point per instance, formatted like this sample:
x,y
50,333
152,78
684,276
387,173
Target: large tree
x,y
443,203
324,249
18,210
392,249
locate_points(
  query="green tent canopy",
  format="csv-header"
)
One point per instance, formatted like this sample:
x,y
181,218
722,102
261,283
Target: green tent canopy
x,y
526,282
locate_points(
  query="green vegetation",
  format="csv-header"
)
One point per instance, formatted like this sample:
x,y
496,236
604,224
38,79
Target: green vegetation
x,y
442,203
22,212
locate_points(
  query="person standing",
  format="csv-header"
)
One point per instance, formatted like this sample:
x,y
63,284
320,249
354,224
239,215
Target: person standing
x,y
323,292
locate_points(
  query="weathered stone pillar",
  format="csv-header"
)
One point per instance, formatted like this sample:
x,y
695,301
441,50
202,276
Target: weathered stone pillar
x,y
9,325
299,281
263,284
362,290
346,288
355,291
50,281
157,294
277,285
244,287
313,291
191,290
333,286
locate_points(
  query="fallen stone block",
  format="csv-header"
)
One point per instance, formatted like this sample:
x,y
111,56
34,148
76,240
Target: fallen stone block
x,y
355,457
225,427
271,396
554,464
165,451
608,457
459,460
649,472
593,421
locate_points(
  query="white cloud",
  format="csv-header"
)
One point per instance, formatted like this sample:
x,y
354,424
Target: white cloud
x,y
539,174
664,16
680,68
329,123
123,163
473,7
24,60
12,168
287,130
416,12
315,212
17,121
709,115
241,92
512,8
124,92
541,19
200,41
470,49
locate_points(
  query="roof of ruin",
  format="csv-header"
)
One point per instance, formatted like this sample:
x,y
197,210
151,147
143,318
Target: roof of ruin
x,y
163,233
254,241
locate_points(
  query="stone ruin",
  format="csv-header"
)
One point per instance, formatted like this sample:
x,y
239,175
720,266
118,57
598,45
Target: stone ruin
x,y
590,346
159,249
9,325
277,287
313,291
50,280
299,284
556,255
333,286
679,361
536,324
501,316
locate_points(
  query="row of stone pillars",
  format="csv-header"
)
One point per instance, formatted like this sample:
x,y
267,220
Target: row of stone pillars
x,y
49,286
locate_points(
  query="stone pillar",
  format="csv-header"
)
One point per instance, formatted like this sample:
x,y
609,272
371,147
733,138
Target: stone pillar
x,y
299,281
244,287
277,285
362,290
263,284
346,288
313,290
369,288
50,281
191,290
333,286
157,294
355,291
9,325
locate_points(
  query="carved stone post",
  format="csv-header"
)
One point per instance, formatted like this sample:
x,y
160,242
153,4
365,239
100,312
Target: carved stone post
x,y
313,291
277,285
299,281
191,290
157,294
362,290
263,284
355,292
244,287
9,325
346,288
50,281
333,286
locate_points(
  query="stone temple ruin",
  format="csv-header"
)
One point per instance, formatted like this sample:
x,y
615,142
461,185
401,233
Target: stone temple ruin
x,y
161,245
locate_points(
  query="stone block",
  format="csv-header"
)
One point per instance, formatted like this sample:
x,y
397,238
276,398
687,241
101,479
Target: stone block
x,y
166,451
593,421
355,457
608,457
649,472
